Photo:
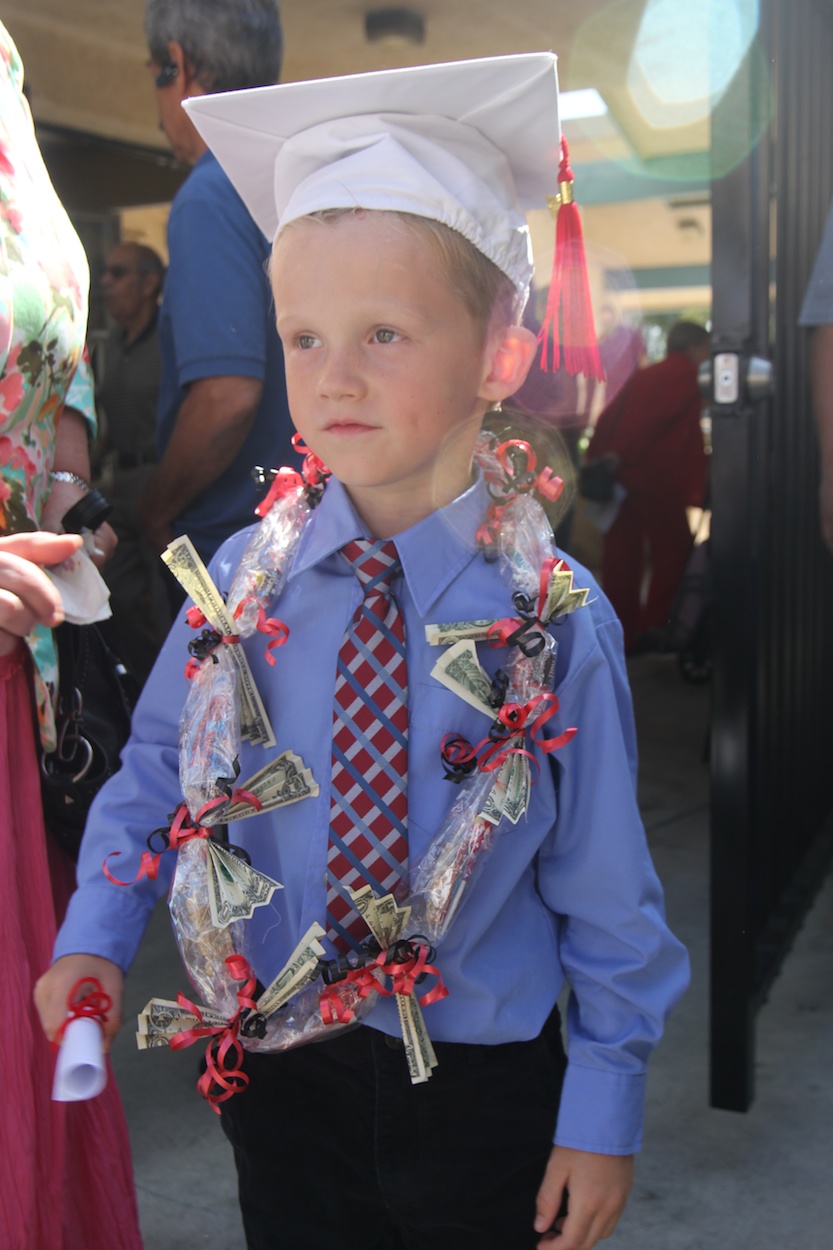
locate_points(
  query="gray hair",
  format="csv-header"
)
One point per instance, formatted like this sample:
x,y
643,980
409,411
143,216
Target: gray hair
x,y
147,260
230,43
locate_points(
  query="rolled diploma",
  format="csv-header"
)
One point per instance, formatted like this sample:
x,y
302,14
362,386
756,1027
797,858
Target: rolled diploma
x,y
80,1071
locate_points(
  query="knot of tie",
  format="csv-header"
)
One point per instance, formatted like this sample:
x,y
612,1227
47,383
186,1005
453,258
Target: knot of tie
x,y
375,563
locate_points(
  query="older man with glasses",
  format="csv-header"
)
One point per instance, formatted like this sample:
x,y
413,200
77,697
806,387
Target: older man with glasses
x,y
127,398
222,405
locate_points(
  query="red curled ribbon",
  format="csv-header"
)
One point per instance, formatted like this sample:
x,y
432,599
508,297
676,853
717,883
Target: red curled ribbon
x,y
549,484
502,455
332,1006
492,753
266,625
403,972
214,639
516,630
486,534
195,617
284,483
224,1076
180,832
313,469
516,717
94,1005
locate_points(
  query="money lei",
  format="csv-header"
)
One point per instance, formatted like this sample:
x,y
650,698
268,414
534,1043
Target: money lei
x,y
517,533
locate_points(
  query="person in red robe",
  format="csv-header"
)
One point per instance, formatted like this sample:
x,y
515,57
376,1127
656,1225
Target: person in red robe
x,y
651,432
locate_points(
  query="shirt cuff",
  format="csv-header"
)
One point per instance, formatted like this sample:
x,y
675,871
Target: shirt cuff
x,y
601,1111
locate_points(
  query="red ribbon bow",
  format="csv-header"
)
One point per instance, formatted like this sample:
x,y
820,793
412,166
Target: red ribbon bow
x,y
94,1005
403,971
516,719
224,1076
180,832
284,483
265,625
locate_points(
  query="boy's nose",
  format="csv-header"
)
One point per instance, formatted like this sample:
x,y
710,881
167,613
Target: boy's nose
x,y
340,377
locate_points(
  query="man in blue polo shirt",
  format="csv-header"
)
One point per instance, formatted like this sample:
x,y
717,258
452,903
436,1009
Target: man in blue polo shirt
x,y
222,401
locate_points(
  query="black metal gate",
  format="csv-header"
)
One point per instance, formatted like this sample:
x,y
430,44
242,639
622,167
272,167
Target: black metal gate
x,y
772,773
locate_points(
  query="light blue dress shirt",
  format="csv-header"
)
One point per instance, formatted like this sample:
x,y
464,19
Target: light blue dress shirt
x,y
570,892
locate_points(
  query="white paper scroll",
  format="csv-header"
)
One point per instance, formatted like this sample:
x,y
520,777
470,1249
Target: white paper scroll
x,y
80,1071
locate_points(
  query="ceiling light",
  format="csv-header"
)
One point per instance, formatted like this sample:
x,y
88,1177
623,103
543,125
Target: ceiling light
x,y
394,26
577,105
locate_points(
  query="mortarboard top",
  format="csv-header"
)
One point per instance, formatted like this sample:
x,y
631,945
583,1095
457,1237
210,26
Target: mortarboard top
x,y
467,143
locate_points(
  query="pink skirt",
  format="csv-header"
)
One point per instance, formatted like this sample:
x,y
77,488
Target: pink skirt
x,y
66,1179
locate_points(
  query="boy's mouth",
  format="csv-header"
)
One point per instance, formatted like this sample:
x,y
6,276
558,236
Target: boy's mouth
x,y
348,426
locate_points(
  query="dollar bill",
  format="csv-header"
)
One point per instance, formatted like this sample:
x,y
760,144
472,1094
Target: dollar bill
x,y
509,796
385,919
235,889
300,969
562,597
146,1042
419,1053
518,788
182,559
161,1019
282,781
449,632
459,670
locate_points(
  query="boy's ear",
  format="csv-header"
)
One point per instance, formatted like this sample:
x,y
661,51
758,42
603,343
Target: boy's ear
x,y
511,354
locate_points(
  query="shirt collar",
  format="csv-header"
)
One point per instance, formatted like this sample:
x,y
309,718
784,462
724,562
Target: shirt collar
x,y
433,552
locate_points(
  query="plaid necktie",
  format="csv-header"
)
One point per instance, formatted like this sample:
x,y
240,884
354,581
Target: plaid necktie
x,y
368,805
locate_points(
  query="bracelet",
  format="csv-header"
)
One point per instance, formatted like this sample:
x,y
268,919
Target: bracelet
x,y
63,475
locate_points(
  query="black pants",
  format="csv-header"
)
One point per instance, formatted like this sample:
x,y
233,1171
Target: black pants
x,y
336,1150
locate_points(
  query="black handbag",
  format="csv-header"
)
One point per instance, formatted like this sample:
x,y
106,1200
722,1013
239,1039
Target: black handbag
x,y
596,481
96,697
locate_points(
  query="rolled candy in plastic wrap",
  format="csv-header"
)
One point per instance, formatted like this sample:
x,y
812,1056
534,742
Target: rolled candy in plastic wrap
x,y
441,878
525,542
301,1020
268,556
203,946
209,734
531,675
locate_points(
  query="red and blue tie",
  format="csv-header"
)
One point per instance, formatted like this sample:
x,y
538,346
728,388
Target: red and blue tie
x,y
369,805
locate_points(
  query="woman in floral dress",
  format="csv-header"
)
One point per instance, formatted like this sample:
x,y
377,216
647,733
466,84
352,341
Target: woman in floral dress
x,y
66,1180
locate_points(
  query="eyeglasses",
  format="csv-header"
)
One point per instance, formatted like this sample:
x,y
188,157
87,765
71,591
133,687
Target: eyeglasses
x,y
165,76
115,271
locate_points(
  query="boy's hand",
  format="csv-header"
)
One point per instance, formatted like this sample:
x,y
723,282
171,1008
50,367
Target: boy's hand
x,y
52,991
598,1188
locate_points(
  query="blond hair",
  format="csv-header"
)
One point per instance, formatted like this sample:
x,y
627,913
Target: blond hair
x,y
485,291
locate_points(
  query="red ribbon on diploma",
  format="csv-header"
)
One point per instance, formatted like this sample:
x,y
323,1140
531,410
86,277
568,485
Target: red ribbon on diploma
x,y
94,1004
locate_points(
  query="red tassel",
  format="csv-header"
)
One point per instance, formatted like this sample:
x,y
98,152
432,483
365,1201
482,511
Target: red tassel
x,y
569,315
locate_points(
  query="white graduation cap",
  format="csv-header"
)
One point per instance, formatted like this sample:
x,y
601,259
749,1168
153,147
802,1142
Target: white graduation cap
x,y
470,144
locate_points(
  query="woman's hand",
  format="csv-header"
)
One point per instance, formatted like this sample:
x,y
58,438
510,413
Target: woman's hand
x,y
63,496
53,989
27,596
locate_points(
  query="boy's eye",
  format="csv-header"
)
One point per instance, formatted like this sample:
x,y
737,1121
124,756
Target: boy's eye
x,y
306,341
385,335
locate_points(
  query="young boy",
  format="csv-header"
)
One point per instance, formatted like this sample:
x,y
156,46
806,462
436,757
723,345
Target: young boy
x,y
400,267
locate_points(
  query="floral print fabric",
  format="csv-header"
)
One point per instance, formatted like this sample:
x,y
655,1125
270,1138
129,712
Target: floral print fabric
x,y
44,280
